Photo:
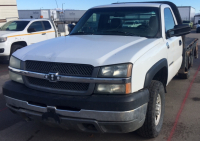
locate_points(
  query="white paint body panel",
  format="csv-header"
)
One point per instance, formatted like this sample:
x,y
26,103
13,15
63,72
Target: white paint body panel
x,y
29,38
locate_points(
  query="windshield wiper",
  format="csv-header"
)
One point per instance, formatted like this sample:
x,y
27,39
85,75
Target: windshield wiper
x,y
82,33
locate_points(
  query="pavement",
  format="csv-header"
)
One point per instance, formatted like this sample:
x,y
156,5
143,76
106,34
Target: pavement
x,y
181,121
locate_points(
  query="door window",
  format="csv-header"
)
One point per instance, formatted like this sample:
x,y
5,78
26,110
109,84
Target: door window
x,y
169,20
47,25
37,26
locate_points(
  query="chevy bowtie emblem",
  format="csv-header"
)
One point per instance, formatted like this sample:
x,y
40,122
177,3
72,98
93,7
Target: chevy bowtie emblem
x,y
52,77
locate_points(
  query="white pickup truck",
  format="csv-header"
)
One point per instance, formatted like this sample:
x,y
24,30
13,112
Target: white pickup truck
x,y
20,33
104,77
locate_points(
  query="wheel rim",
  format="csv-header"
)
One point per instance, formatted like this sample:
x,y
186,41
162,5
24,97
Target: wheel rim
x,y
158,109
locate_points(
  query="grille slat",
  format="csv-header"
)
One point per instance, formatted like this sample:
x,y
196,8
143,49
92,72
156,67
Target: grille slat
x,y
72,86
61,68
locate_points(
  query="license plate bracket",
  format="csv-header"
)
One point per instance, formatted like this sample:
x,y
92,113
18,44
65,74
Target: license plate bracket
x,y
51,115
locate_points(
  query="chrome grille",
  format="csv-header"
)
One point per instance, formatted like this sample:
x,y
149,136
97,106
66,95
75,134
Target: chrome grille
x,y
61,68
71,86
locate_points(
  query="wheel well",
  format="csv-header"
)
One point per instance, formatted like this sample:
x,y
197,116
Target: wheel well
x,y
162,76
23,43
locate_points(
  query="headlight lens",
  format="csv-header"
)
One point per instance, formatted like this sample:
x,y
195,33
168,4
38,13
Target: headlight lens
x,y
3,39
16,77
122,70
113,88
14,62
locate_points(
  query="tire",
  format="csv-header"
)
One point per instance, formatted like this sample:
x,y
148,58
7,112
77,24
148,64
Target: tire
x,y
152,127
15,48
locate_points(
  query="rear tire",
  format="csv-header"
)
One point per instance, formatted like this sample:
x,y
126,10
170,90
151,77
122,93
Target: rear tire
x,y
155,114
15,48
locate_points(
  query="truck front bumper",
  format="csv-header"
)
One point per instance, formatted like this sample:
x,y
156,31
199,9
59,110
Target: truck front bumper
x,y
94,113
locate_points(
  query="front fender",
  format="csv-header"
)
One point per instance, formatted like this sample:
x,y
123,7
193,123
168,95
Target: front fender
x,y
153,70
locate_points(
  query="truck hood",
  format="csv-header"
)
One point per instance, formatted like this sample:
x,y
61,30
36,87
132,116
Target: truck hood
x,y
9,33
96,50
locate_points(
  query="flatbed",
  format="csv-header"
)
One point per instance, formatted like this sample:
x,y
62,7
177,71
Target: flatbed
x,y
190,52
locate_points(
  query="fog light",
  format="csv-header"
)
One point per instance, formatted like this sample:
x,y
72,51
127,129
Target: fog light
x,y
16,77
113,88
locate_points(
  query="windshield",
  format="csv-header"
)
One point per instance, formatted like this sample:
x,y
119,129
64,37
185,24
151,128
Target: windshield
x,y
186,21
14,26
124,21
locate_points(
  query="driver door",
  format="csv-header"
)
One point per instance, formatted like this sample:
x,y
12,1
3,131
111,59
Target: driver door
x,y
174,45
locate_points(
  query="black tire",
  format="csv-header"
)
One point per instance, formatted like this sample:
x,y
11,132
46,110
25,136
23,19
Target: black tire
x,y
149,128
15,48
184,75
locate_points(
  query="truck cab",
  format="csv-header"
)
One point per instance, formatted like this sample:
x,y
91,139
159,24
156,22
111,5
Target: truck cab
x,y
105,76
20,33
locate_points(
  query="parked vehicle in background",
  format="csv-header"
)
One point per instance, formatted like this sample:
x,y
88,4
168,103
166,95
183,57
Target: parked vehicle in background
x,y
187,13
104,77
196,19
132,24
20,33
198,27
190,24
72,15
36,14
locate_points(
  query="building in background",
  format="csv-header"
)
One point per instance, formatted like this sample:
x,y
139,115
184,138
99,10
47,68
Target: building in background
x,y
187,13
8,11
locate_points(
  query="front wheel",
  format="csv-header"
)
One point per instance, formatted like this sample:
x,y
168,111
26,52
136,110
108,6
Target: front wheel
x,y
155,111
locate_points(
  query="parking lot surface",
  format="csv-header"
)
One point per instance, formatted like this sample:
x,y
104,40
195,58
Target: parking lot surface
x,y
182,116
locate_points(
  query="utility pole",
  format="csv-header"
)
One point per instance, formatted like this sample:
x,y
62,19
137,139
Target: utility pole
x,y
62,6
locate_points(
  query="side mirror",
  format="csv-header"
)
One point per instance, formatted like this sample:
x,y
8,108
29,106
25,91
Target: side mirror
x,y
30,30
179,30
70,27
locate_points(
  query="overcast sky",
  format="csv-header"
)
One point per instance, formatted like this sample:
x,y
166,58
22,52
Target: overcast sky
x,y
86,4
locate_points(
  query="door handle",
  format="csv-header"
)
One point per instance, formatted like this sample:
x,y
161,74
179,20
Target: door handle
x,y
167,45
43,33
180,42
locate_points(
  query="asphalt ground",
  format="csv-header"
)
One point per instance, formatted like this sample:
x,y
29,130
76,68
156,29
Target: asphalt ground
x,y
181,122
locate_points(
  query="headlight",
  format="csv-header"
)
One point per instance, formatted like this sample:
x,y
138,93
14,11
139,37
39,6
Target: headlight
x,y
14,62
3,39
16,77
122,70
113,88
